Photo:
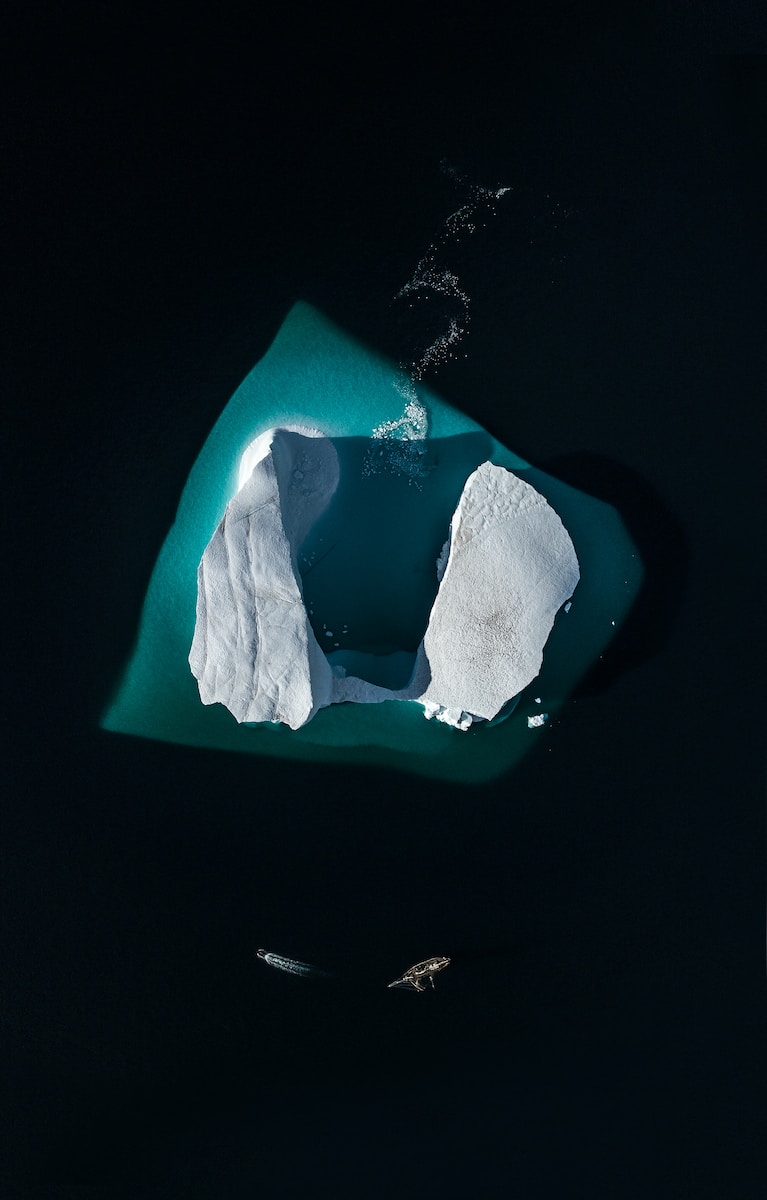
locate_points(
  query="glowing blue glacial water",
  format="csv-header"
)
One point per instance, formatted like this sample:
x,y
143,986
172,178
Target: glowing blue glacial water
x,y
367,567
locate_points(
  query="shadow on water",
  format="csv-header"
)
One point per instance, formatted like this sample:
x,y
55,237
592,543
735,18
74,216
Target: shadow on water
x,y
664,551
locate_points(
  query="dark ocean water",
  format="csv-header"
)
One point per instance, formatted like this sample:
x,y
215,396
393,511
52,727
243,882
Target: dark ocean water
x,y
600,1029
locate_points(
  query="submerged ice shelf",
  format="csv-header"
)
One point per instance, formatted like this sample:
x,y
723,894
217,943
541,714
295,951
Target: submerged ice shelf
x,y
506,568
374,590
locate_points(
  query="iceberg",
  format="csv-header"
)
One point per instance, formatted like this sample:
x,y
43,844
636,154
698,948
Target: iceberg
x,y
358,556
507,567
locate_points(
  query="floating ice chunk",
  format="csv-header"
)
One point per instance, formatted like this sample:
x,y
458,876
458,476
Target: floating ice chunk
x,y
568,606
537,721
448,716
254,649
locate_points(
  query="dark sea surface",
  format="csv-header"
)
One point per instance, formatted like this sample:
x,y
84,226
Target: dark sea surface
x,y
173,189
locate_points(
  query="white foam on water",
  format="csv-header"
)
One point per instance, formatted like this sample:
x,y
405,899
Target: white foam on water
x,y
398,443
291,965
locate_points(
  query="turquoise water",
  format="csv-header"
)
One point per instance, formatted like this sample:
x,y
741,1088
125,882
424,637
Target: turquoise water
x,y
368,570
390,533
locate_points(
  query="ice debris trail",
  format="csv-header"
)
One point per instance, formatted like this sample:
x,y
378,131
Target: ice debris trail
x,y
292,965
403,437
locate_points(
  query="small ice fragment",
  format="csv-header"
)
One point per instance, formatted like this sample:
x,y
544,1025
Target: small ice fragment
x,y
328,633
538,720
612,622
537,699
568,606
